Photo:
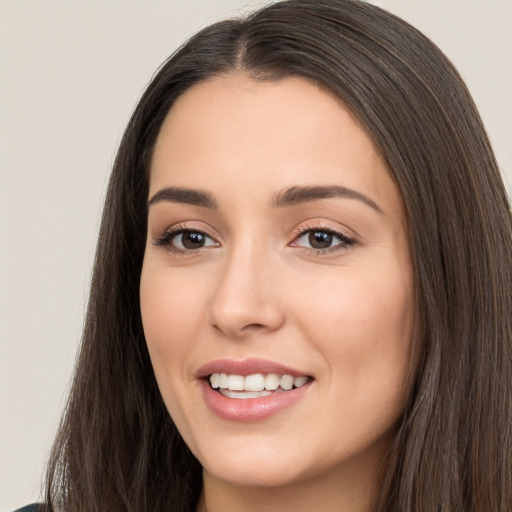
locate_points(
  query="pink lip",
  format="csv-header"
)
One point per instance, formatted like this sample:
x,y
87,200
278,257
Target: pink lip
x,y
246,367
250,409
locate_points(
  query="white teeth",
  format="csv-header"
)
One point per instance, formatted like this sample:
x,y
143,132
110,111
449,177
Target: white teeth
x,y
223,380
272,381
287,382
254,385
300,381
214,380
255,382
244,394
236,383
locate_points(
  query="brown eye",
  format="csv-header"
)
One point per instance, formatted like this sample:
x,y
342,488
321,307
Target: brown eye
x,y
323,240
191,240
320,239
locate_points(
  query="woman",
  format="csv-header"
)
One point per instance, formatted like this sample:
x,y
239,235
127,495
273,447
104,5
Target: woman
x,y
302,291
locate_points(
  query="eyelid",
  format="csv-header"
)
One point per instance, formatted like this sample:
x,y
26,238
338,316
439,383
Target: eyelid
x,y
164,238
323,225
347,240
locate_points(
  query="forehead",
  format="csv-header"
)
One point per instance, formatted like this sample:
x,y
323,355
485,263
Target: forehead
x,y
233,132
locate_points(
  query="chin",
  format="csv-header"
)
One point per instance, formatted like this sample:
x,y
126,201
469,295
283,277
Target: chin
x,y
255,473
253,462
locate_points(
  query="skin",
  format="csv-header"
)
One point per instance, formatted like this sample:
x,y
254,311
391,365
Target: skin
x,y
257,289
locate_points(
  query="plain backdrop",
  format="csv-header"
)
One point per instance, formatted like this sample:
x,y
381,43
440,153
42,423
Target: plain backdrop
x,y
71,72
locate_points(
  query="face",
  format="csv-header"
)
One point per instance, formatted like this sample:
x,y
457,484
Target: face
x,y
276,290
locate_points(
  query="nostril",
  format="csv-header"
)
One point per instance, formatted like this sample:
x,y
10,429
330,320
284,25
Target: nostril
x,y
251,327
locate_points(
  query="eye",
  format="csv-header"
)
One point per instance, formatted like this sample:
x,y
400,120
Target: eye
x,y
322,240
185,240
191,240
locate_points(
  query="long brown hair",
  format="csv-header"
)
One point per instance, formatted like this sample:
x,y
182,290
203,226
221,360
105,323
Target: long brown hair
x,y
118,449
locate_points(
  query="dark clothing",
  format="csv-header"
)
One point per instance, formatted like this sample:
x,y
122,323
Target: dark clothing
x,y
29,508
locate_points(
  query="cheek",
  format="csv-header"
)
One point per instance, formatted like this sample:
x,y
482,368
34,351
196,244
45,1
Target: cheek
x,y
170,315
170,309
362,326
353,308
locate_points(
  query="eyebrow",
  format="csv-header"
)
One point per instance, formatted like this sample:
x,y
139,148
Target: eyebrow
x,y
288,197
184,196
300,195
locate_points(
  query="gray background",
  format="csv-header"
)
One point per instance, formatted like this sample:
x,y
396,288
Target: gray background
x,y
70,74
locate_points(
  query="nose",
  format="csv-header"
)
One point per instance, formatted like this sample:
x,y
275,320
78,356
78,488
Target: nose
x,y
246,298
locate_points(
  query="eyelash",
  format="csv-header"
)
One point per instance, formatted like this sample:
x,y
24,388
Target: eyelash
x,y
345,241
166,238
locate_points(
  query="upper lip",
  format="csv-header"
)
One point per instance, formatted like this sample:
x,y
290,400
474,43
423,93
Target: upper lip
x,y
246,367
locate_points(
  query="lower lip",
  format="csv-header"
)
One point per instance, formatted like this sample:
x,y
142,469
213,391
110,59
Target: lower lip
x,y
250,409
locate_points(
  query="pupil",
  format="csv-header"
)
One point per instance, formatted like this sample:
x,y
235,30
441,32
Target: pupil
x,y
192,240
320,239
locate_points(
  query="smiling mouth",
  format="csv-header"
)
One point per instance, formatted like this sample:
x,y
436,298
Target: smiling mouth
x,y
256,385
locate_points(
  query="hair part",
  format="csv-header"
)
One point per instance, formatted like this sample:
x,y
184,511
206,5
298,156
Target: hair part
x,y
117,447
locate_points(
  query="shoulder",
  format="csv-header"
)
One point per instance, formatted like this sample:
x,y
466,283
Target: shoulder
x,y
35,507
